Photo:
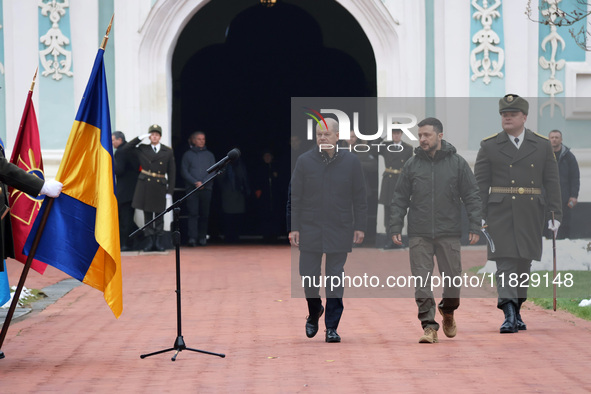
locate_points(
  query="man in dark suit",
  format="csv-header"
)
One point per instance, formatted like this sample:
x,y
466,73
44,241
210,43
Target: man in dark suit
x,y
127,168
155,182
326,214
512,168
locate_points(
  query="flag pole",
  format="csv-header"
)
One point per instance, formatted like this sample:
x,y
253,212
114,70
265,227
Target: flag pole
x,y
27,266
553,265
106,37
37,238
34,78
21,282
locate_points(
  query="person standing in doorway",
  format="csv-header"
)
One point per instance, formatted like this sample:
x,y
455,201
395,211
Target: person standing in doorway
x,y
194,165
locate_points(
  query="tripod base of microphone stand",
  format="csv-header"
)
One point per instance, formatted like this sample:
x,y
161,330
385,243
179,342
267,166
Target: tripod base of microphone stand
x,y
179,346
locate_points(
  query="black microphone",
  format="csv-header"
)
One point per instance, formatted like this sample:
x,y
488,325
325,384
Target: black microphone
x,y
231,156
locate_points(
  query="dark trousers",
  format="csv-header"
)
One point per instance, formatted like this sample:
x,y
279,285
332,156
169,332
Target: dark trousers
x,y
156,228
421,252
198,208
512,278
126,223
310,267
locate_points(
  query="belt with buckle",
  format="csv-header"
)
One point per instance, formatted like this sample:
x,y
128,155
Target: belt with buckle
x,y
392,171
516,190
153,174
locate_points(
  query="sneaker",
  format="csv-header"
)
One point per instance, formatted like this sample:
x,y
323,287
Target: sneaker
x,y
430,336
449,324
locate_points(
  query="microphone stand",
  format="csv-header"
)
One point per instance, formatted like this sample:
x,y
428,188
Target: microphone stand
x,y
179,343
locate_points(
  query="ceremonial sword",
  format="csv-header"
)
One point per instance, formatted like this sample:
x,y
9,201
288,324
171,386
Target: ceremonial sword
x,y
489,239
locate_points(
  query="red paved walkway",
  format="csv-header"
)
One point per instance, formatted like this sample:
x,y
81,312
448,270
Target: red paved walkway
x,y
237,301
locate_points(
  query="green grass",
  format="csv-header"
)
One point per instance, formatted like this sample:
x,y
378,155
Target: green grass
x,y
567,298
568,293
36,294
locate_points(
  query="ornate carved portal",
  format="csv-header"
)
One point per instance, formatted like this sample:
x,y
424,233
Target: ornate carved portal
x,y
55,59
487,40
552,86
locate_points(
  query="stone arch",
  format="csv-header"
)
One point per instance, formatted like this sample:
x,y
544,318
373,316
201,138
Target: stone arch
x,y
167,19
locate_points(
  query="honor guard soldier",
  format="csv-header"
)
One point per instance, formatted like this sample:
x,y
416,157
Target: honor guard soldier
x,y
155,183
512,168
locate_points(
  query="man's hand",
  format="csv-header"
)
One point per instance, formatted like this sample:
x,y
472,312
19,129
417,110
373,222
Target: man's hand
x,y
358,237
572,202
294,238
473,238
51,188
198,183
397,239
553,225
144,136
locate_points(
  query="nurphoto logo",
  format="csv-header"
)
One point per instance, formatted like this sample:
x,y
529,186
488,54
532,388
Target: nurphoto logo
x,y
389,122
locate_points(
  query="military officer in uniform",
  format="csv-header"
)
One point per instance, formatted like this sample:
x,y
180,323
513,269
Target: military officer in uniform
x,y
154,184
394,162
512,168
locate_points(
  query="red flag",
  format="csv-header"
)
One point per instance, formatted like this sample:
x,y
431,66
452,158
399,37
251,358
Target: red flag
x,y
23,207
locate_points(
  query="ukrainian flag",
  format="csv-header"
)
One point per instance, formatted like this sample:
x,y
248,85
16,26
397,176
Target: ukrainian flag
x,y
81,235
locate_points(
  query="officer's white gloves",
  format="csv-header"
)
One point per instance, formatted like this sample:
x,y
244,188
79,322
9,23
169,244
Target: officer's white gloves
x,y
483,223
52,188
553,226
144,136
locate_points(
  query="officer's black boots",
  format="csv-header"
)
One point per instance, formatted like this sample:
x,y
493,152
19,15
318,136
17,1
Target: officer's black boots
x,y
510,323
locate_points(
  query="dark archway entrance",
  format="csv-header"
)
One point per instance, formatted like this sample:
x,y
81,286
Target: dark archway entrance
x,y
235,68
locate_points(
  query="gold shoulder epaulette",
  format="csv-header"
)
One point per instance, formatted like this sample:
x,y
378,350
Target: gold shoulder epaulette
x,y
540,135
490,136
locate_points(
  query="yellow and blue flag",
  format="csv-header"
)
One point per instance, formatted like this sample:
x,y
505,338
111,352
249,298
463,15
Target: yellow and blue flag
x,y
81,235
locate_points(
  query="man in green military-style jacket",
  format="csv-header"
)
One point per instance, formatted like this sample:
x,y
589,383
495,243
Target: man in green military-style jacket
x,y
519,186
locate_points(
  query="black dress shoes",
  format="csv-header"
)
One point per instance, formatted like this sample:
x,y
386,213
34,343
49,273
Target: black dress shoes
x,y
202,241
158,247
192,242
332,336
312,323
149,244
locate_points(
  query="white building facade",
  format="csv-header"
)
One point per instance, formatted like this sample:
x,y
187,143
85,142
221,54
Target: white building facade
x,y
423,48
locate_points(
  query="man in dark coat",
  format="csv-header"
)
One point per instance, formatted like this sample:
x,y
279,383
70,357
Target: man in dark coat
x,y
194,167
127,169
432,186
568,172
155,182
326,214
12,175
512,168
394,160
